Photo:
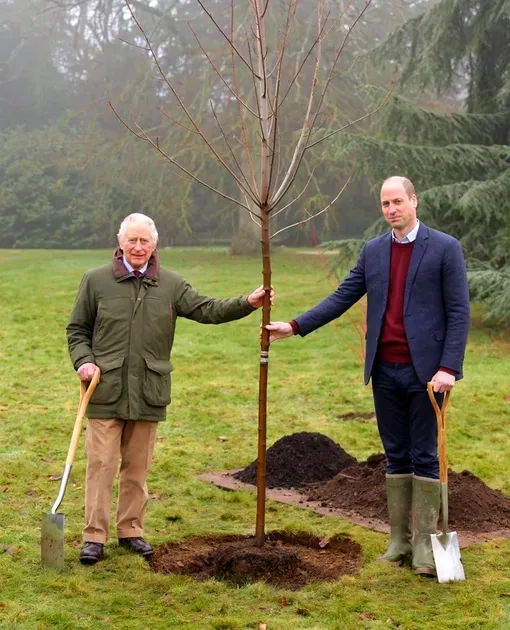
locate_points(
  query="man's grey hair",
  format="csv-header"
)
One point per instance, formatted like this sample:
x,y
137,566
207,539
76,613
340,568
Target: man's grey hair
x,y
137,217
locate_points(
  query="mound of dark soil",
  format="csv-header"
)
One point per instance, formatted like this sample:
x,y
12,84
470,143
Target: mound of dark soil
x,y
472,505
286,560
298,459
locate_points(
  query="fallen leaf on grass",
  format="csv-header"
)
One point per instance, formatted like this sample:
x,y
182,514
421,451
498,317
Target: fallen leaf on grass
x,y
32,493
284,602
55,477
8,549
222,438
76,543
2,605
368,615
48,460
5,489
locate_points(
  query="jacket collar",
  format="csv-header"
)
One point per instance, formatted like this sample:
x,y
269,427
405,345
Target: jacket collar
x,y
120,272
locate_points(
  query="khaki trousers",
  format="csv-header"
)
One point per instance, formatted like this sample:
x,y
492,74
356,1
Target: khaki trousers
x,y
109,441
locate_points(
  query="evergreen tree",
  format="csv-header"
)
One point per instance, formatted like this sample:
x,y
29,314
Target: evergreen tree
x,y
459,161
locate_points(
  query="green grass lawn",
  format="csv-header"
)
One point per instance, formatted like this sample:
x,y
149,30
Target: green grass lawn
x,y
215,388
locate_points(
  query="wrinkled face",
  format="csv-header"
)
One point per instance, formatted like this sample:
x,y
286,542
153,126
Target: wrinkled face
x,y
398,208
137,244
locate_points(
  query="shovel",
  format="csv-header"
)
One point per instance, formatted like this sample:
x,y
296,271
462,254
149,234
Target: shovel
x,y
52,530
445,546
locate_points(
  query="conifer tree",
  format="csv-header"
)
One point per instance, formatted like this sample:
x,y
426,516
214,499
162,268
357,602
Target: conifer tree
x,y
460,161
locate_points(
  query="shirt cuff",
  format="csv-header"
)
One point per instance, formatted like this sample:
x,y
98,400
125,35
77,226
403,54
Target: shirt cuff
x,y
448,371
295,327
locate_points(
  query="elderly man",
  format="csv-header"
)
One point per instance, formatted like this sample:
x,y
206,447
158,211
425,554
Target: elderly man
x,y
123,324
417,327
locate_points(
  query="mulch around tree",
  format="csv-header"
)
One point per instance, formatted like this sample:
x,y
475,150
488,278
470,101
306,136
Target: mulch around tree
x,y
285,560
357,491
299,459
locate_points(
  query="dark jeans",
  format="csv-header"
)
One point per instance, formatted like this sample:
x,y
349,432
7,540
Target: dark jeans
x,y
406,420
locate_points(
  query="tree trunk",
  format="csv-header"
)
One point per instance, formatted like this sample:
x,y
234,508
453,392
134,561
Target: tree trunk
x,y
246,238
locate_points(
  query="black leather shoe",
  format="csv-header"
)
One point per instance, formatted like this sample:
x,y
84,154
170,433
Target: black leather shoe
x,y
137,545
91,553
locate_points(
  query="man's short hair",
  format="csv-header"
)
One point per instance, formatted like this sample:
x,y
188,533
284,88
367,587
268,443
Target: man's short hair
x,y
138,217
406,183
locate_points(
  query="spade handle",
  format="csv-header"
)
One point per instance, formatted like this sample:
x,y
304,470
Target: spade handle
x,y
85,394
441,430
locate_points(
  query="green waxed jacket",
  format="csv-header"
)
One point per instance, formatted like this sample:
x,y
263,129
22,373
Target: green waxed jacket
x,y
126,326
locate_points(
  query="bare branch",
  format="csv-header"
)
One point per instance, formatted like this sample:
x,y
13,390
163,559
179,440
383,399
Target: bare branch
x,y
143,136
134,45
244,131
222,78
296,198
305,128
316,214
263,98
231,43
291,12
181,103
252,194
176,121
347,66
354,122
252,217
303,62
335,61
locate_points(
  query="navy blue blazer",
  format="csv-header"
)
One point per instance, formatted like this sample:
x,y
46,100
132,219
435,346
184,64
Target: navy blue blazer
x,y
436,301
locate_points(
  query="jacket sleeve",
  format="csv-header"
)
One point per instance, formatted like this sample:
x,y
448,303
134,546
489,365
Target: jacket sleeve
x,y
349,291
80,327
207,310
457,307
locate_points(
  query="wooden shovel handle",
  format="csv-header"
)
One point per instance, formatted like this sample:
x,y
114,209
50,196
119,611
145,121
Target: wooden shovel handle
x,y
85,394
441,430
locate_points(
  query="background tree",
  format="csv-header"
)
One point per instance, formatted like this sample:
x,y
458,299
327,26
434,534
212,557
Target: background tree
x,y
459,159
64,59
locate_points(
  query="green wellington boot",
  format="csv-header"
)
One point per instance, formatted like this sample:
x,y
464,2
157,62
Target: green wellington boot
x,y
426,501
399,492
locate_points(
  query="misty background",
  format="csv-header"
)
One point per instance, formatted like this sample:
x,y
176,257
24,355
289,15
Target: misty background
x,y
70,171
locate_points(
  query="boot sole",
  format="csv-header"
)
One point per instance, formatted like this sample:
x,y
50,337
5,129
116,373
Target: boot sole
x,y
90,561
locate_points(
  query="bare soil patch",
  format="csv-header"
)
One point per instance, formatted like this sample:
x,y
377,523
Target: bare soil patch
x,y
472,505
286,560
299,459
357,491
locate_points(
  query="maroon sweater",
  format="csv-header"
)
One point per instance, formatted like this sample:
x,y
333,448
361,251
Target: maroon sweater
x,y
393,346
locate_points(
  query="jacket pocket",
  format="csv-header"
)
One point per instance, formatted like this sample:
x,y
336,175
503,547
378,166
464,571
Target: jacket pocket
x,y
109,388
156,382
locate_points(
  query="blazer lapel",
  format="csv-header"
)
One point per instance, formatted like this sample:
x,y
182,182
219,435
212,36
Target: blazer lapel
x,y
384,266
419,249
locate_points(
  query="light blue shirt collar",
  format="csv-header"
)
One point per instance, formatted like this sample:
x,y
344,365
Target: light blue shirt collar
x,y
409,238
131,269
